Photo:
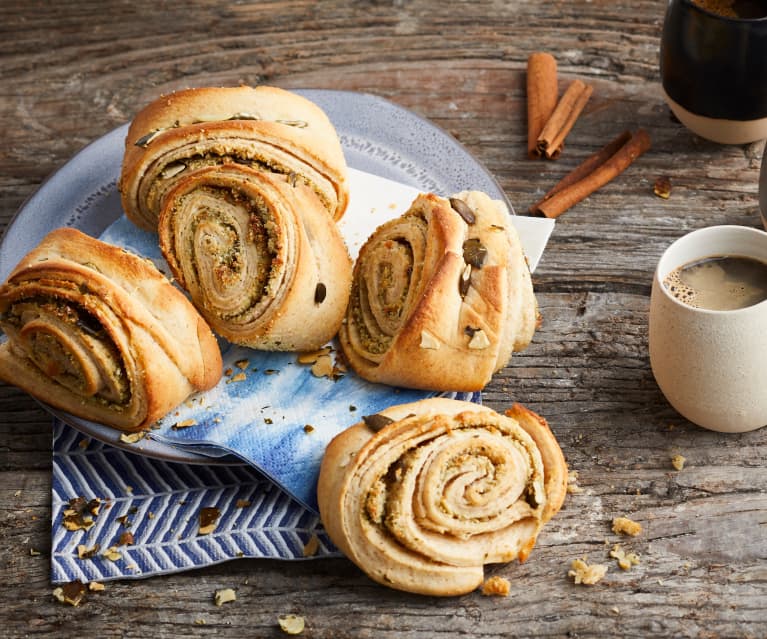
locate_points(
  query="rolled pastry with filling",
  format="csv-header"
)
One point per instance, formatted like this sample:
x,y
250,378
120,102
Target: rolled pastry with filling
x,y
260,257
100,333
422,495
262,127
441,296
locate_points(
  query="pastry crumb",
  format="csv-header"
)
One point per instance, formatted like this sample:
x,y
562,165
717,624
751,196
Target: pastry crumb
x,y
291,624
662,187
225,595
496,586
132,438
678,461
112,554
626,526
572,483
313,356
323,367
72,593
625,560
587,574
184,424
208,520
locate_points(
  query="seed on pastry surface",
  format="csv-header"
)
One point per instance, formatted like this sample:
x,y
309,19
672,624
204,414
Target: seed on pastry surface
x,y
465,282
319,293
173,170
474,252
244,116
479,340
144,140
376,422
463,209
428,341
300,124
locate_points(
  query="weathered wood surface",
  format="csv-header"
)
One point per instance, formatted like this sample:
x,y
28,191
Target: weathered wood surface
x,y
70,72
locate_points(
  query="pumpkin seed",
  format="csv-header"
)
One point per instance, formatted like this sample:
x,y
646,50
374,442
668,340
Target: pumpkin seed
x,y
144,140
244,116
479,340
377,422
474,252
428,341
299,124
172,170
463,209
465,282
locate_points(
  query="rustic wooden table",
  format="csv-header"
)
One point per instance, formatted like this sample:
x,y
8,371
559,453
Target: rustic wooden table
x,y
70,72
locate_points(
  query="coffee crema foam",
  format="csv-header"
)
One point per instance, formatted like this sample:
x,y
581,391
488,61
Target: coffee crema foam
x,y
719,283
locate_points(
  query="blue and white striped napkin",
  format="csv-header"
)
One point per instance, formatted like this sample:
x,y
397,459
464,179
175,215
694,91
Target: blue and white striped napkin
x,y
148,514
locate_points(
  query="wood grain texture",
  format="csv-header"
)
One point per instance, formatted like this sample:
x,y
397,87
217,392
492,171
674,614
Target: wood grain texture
x,y
70,72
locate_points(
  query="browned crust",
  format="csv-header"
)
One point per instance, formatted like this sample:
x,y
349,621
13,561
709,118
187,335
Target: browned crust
x,y
168,348
337,495
554,463
500,303
292,319
287,122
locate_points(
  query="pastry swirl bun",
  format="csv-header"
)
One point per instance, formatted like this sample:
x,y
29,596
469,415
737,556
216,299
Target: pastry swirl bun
x,y
260,256
102,334
441,296
422,495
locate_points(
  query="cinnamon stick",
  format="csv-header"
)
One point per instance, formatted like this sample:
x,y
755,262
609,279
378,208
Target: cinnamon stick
x,y
593,173
542,96
563,118
586,167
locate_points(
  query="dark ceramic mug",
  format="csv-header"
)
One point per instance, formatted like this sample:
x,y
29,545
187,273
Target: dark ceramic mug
x,y
714,70
763,188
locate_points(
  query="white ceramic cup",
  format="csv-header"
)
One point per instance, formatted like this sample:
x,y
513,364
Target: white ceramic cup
x,y
711,365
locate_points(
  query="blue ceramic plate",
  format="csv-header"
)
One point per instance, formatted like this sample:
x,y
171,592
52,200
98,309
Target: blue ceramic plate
x,y
269,410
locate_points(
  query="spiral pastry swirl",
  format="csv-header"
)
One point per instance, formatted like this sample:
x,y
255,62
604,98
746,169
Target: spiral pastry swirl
x,y
263,127
441,296
422,495
261,258
102,334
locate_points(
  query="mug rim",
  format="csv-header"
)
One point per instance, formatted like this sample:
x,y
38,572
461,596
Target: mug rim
x,y
662,270
719,16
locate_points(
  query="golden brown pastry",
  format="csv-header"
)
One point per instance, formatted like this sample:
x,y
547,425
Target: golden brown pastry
x,y
262,127
102,334
260,256
422,495
441,296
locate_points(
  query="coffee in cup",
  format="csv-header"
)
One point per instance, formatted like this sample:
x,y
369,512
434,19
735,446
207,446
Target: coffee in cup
x,y
719,283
